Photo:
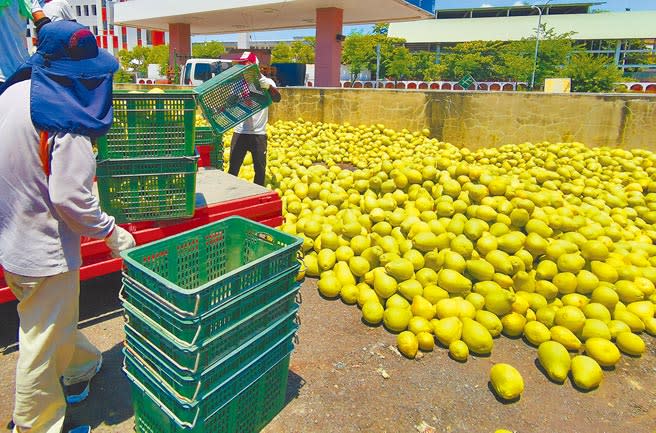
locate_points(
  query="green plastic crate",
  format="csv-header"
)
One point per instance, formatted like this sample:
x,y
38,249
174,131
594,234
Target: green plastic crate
x,y
191,331
146,189
191,414
232,97
196,271
205,136
195,386
148,125
192,360
247,412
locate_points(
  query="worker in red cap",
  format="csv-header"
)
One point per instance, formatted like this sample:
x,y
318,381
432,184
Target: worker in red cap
x,y
50,108
250,135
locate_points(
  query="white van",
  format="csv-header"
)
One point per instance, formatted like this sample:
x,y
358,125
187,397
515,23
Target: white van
x,y
197,71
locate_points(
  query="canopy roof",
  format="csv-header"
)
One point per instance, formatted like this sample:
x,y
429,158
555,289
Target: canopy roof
x,y
234,16
608,25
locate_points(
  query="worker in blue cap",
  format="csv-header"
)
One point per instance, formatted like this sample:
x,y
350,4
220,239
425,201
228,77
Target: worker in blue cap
x,y
50,109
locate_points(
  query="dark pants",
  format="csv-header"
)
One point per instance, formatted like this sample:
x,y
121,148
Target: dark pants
x,y
257,146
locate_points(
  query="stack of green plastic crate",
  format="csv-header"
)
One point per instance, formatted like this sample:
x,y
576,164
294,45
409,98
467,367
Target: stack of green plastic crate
x,y
147,163
210,324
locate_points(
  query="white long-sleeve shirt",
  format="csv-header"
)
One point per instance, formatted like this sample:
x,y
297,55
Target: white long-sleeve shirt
x,y
42,218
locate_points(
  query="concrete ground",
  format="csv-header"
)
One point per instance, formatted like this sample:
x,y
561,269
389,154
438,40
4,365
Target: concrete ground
x,y
346,377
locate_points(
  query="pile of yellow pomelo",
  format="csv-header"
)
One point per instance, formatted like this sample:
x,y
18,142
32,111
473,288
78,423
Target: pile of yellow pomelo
x,y
552,242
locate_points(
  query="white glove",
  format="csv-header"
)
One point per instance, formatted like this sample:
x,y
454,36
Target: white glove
x,y
265,82
36,6
119,240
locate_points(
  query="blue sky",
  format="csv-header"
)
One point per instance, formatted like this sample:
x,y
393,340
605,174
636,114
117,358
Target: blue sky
x,y
612,5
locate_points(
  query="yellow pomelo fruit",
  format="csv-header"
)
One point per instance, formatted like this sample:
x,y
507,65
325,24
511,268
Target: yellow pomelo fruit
x,y
643,309
499,302
449,307
447,330
595,328
500,260
513,324
480,270
511,242
572,262
426,276
650,326
535,244
594,250
490,321
326,259
401,269
521,304
595,310
384,285
536,333
546,315
426,341
410,288
555,360
616,326
311,265
586,372
586,282
645,285
343,274
571,318
344,253
419,324
397,319
359,266
366,293
359,244
397,301
628,292
425,241
538,227
476,336
329,240
453,282
422,307
349,294
458,350
575,300
416,258
546,270
476,299
465,308
434,294
566,282
372,312
565,337
329,286
630,319
407,344
605,296
604,271
630,343
506,381
602,351
547,289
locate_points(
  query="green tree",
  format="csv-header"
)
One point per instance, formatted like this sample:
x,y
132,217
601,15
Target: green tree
x,y
138,59
397,66
477,58
299,51
208,50
380,29
121,76
421,62
359,52
592,73
282,53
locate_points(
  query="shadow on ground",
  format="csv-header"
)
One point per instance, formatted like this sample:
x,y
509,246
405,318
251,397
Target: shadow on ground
x,y
109,401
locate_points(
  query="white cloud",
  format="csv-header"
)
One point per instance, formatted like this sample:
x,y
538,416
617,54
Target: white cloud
x,y
486,5
519,3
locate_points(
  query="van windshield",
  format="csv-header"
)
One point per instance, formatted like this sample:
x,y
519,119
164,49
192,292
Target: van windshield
x,y
203,72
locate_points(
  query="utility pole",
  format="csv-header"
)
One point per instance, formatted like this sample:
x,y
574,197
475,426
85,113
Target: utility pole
x,y
377,64
537,39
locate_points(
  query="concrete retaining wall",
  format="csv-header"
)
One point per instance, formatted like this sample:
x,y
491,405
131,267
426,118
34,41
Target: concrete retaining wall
x,y
478,119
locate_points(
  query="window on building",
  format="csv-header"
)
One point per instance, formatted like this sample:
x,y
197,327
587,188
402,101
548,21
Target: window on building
x,y
86,10
78,11
94,11
94,29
